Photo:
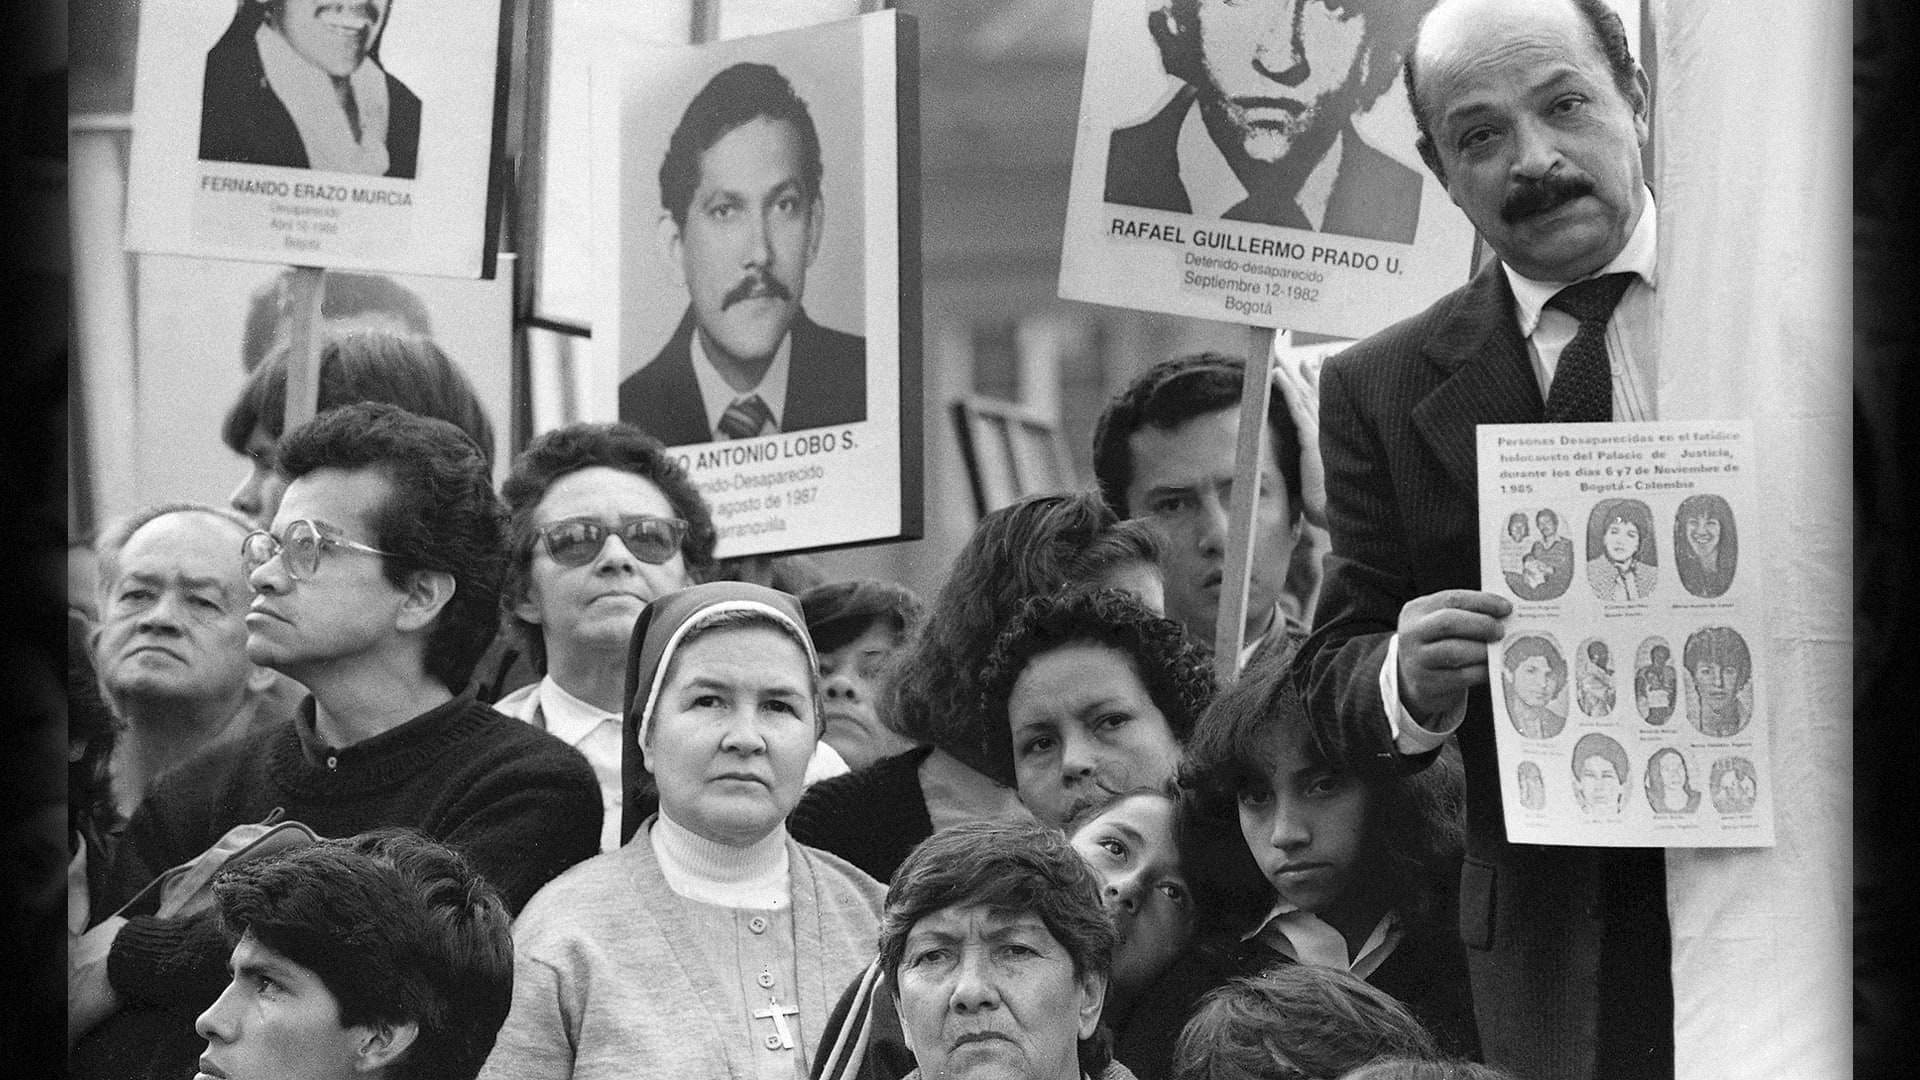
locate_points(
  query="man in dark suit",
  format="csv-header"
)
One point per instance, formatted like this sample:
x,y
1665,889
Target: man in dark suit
x,y
298,84
1533,116
742,218
1276,84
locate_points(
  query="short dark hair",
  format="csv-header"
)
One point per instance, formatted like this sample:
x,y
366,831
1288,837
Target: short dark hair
x,y
840,611
1415,825
441,515
91,725
1609,36
345,295
365,365
399,928
1388,28
1634,513
1295,1022
1169,394
1013,867
1528,646
732,98
1176,674
1031,547
1720,645
569,449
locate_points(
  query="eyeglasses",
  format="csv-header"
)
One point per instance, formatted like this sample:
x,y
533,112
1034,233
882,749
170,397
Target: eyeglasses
x,y
299,552
577,541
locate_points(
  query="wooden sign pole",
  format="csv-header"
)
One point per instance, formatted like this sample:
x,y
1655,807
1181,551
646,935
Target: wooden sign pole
x,y
1255,389
305,291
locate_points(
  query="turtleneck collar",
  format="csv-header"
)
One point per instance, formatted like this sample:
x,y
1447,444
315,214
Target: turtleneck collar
x,y
703,870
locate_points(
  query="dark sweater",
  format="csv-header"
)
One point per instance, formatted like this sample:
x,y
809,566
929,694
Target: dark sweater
x,y
519,802
873,817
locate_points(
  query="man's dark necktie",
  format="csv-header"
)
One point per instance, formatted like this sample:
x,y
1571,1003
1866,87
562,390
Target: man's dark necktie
x,y
1582,389
747,417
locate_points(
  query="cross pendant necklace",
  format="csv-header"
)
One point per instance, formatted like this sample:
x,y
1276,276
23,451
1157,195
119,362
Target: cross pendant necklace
x,y
778,1013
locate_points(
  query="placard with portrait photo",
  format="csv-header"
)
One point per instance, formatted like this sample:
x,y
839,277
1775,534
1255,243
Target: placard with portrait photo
x,y
756,232
355,134
1665,686
1254,161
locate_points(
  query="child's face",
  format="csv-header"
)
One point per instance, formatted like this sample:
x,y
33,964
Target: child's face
x,y
1132,848
1305,823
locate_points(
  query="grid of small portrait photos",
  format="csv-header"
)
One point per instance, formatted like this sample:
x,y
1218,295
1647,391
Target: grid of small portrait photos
x,y
1628,690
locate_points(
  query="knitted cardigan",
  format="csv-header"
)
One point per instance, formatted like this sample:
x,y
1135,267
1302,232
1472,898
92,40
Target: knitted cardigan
x,y
520,803
610,981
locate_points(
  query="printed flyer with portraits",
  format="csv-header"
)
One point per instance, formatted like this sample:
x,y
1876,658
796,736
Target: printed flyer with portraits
x,y
755,223
1255,163
1629,693
353,135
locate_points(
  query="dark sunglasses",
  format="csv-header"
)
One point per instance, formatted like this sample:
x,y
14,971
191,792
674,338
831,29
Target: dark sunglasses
x,y
577,541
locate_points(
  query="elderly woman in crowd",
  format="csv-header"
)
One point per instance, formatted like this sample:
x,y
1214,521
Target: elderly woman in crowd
x,y
1093,695
711,944
998,951
961,772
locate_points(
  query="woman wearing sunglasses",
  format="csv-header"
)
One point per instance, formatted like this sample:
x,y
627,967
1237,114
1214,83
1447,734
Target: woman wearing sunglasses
x,y
601,522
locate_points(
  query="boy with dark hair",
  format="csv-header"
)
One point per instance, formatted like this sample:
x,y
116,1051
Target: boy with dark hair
x,y
383,955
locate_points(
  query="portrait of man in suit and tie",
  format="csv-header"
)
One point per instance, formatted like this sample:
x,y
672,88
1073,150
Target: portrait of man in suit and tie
x,y
741,222
1260,127
299,84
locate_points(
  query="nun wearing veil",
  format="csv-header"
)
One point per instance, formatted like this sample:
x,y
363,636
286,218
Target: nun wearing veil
x,y
709,943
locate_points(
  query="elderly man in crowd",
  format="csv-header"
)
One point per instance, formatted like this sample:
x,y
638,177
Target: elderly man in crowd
x,y
172,642
1261,127
1163,451
1533,115
377,589
376,957
997,950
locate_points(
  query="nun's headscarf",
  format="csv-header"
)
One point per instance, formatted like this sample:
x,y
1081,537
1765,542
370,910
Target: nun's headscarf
x,y
657,636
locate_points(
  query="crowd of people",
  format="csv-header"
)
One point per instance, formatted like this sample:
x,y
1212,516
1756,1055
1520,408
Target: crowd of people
x,y
379,771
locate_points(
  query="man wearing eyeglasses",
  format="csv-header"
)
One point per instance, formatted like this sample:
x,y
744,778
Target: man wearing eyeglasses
x,y
600,521
376,588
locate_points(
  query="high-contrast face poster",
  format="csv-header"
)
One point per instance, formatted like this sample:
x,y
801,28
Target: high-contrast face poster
x,y
358,134
1254,161
749,225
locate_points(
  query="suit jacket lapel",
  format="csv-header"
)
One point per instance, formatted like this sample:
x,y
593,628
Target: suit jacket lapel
x,y
1492,379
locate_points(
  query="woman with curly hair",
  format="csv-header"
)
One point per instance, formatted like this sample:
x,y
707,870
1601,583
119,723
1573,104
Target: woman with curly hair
x,y
1361,861
961,771
1095,695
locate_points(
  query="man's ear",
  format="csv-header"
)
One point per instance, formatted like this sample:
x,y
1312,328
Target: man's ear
x,y
1178,51
1093,997
382,1044
816,225
667,232
427,593
1642,103
1431,156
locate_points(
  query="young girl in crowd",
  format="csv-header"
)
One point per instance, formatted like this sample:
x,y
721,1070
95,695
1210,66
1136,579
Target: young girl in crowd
x,y
1362,861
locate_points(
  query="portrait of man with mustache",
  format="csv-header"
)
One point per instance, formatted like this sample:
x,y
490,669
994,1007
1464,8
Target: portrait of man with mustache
x,y
741,220
1260,125
299,84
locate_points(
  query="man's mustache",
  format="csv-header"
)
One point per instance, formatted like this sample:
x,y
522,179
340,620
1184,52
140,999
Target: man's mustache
x,y
759,285
1538,196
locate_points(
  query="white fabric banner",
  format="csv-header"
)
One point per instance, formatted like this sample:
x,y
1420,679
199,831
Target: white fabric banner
x,y
1752,127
